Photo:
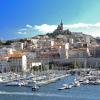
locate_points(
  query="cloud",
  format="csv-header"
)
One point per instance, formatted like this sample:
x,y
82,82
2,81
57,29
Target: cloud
x,y
23,33
83,25
26,30
28,26
45,28
79,25
23,29
91,29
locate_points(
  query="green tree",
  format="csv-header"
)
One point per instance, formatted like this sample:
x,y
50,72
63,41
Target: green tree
x,y
77,64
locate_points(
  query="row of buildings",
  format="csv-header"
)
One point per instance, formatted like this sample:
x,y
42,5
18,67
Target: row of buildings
x,y
42,50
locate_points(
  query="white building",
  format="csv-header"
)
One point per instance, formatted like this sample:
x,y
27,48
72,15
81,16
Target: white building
x,y
71,40
35,41
63,51
87,39
67,50
18,63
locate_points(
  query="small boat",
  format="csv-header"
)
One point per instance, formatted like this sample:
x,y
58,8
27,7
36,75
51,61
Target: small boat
x,y
62,88
96,82
76,84
85,82
35,87
65,86
16,83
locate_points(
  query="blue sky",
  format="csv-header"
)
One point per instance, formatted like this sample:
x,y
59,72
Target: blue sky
x,y
25,18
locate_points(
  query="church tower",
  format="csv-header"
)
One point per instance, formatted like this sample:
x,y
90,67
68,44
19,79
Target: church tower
x,y
59,28
61,25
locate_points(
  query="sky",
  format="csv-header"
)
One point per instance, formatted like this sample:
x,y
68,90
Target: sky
x,y
26,18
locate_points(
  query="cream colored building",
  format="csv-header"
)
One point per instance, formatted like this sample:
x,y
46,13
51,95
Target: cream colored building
x,y
18,63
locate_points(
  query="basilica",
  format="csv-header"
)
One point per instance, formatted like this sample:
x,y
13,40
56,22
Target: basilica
x,y
60,30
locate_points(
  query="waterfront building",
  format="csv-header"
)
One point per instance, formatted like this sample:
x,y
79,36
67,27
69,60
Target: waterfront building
x,y
18,63
4,65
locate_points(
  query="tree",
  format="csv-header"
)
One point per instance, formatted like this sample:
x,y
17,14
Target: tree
x,y
8,42
21,40
34,68
77,64
1,43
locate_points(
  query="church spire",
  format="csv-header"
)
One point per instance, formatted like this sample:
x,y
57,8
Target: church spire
x,y
61,22
61,25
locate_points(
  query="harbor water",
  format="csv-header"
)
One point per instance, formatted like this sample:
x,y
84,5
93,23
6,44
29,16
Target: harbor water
x,y
50,91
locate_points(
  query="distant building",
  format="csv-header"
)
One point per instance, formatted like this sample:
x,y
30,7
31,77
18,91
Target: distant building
x,y
96,52
45,43
87,39
6,51
35,41
18,45
80,45
71,41
79,53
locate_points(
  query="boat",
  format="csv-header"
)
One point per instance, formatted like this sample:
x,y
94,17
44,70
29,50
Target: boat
x,y
62,88
16,83
85,82
65,86
95,82
35,87
76,84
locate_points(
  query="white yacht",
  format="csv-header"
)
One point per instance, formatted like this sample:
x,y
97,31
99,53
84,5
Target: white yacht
x,y
65,86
